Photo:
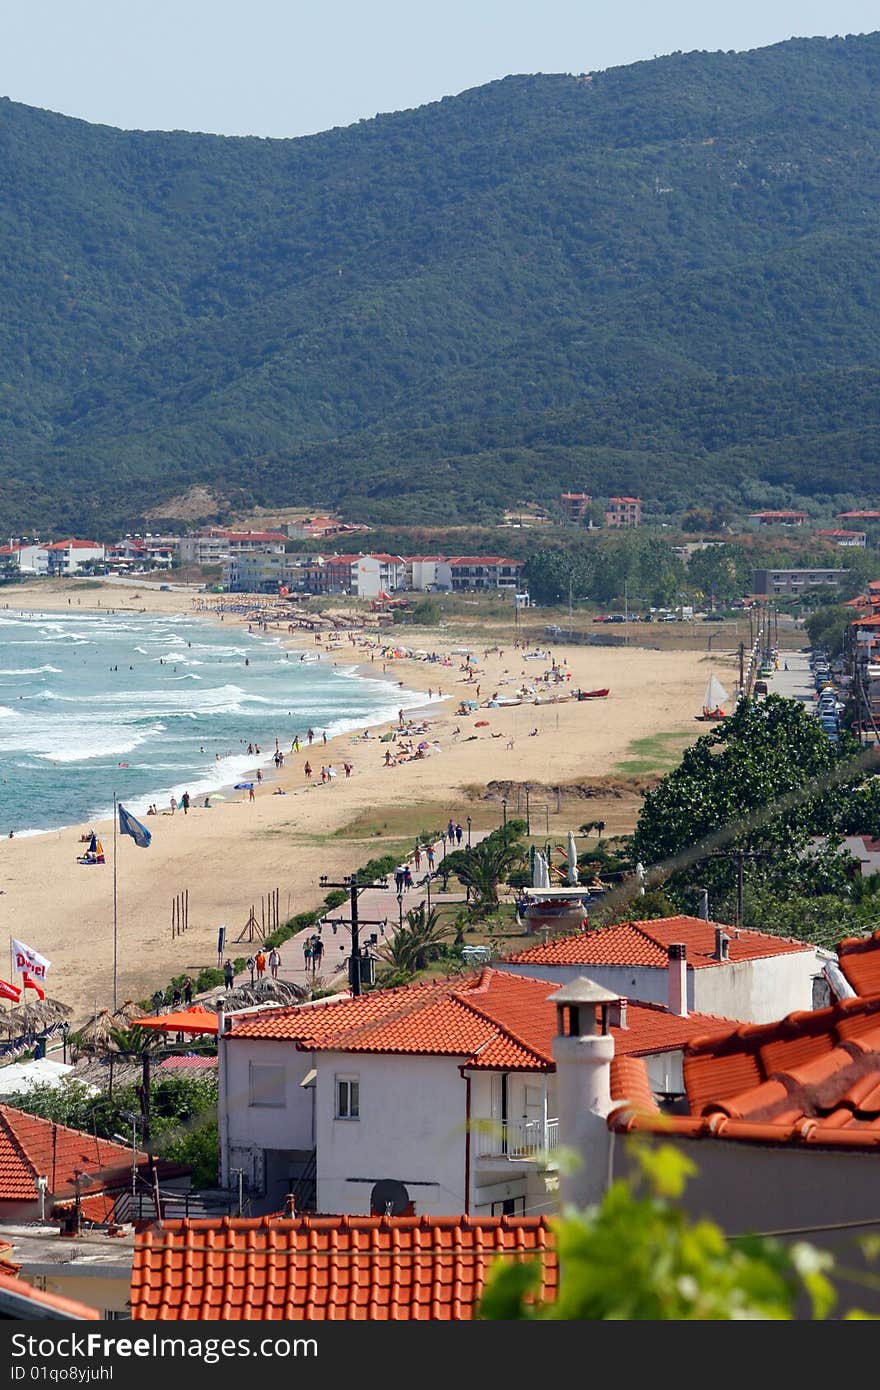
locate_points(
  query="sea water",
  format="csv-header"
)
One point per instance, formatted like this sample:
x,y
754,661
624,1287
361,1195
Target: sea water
x,y
145,707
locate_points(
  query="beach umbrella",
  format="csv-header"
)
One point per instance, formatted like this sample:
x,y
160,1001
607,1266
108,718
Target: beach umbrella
x,y
243,786
572,859
215,796
128,1013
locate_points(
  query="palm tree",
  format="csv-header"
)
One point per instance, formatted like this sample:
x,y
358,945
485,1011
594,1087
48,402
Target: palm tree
x,y
416,944
484,867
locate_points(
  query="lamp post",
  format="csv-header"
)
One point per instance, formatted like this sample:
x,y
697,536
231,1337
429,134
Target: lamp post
x,y
443,838
504,814
469,831
400,909
528,819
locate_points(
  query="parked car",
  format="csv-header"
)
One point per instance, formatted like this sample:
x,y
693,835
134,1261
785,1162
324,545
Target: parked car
x,y
760,688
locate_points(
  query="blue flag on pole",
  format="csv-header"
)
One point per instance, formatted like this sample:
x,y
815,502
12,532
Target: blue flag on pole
x,y
129,826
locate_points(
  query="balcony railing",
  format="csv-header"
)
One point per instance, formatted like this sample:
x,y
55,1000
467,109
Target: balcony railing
x,y
529,1139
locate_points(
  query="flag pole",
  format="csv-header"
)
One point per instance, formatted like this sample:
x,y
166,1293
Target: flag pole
x,y
115,819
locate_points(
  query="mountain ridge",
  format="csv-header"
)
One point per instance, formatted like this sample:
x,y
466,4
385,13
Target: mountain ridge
x,y
332,315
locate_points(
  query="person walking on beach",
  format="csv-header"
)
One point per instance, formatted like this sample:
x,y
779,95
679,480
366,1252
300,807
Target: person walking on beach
x,y
274,962
450,831
308,770
317,952
173,804
324,737
260,963
184,801
417,857
251,796
294,747
228,973
429,853
458,834
407,877
399,878
310,735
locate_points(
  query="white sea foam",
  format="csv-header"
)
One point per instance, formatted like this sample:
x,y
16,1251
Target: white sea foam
x,y
29,670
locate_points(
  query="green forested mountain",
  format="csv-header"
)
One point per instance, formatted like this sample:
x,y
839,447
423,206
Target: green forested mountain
x,y
662,279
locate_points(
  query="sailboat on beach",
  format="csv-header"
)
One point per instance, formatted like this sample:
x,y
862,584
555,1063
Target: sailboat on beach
x,y
714,700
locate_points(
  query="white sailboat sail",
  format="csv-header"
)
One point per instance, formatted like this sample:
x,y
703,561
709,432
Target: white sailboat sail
x,y
716,696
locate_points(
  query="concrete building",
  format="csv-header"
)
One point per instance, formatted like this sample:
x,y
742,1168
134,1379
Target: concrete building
x,y
214,546
446,1089
623,511
464,573
779,518
30,559
723,971
842,537
575,505
791,583
421,572
67,557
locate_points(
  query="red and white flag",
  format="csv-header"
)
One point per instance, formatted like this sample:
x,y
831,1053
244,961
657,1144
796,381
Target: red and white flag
x,y
27,961
8,991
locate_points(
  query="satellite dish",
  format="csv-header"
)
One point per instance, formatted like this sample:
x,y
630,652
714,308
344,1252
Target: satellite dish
x,y
389,1198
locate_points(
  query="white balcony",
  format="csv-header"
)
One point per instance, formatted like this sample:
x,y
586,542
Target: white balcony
x,y
528,1141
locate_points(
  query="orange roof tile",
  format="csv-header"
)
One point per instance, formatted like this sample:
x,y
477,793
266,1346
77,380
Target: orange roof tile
x,y
32,1147
812,1078
647,943
859,959
37,1304
493,1020
312,1268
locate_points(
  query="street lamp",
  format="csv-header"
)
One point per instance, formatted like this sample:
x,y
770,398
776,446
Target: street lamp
x,y
443,838
469,831
504,813
400,909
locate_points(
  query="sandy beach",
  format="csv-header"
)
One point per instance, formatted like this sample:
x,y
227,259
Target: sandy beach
x,y
231,855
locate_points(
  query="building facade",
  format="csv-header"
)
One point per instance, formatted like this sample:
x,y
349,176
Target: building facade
x,y
791,583
623,511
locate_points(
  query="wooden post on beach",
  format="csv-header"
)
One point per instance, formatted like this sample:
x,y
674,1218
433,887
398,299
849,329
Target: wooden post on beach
x,y
186,909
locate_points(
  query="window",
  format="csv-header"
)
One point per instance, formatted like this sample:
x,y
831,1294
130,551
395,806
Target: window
x,y
347,1098
267,1085
511,1206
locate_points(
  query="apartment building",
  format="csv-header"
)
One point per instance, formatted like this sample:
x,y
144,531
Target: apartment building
x,y
791,583
214,546
623,511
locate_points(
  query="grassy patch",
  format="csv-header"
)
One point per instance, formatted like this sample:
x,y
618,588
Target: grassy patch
x,y
656,753
408,820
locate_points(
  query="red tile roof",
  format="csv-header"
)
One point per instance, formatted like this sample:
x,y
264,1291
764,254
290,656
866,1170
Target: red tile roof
x,y
188,1064
73,545
494,1021
484,560
812,1078
32,1147
859,959
36,1304
314,1268
648,942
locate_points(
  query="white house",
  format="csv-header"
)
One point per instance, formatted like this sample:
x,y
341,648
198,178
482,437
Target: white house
x,y
66,557
446,1090
421,571
715,969
463,573
30,559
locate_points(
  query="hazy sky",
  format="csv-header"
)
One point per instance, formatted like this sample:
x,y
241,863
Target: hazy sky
x,y
292,67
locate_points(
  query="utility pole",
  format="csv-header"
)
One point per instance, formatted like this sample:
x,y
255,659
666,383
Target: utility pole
x,y
528,820
354,922
739,855
741,670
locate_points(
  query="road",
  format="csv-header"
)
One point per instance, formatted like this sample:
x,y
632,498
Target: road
x,y
797,682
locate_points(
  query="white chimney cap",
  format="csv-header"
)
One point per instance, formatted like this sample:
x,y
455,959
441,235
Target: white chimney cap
x,y
583,991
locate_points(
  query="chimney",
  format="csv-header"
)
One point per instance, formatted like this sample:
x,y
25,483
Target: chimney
x,y
703,908
677,992
583,1053
617,1014
722,943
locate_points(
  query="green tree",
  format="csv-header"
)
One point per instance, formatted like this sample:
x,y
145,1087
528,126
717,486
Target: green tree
x,y
637,1256
765,781
827,626
482,869
417,943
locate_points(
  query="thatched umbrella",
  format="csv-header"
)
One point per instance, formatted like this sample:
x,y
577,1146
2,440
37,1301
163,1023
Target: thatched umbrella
x,y
96,1035
128,1013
